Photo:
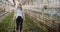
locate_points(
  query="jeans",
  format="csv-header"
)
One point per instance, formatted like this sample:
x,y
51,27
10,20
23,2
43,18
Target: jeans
x,y
19,22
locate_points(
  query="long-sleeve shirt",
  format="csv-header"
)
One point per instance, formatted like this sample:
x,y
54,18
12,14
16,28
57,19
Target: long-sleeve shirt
x,y
18,12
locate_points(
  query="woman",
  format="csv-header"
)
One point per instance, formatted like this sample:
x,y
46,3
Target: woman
x,y
19,16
